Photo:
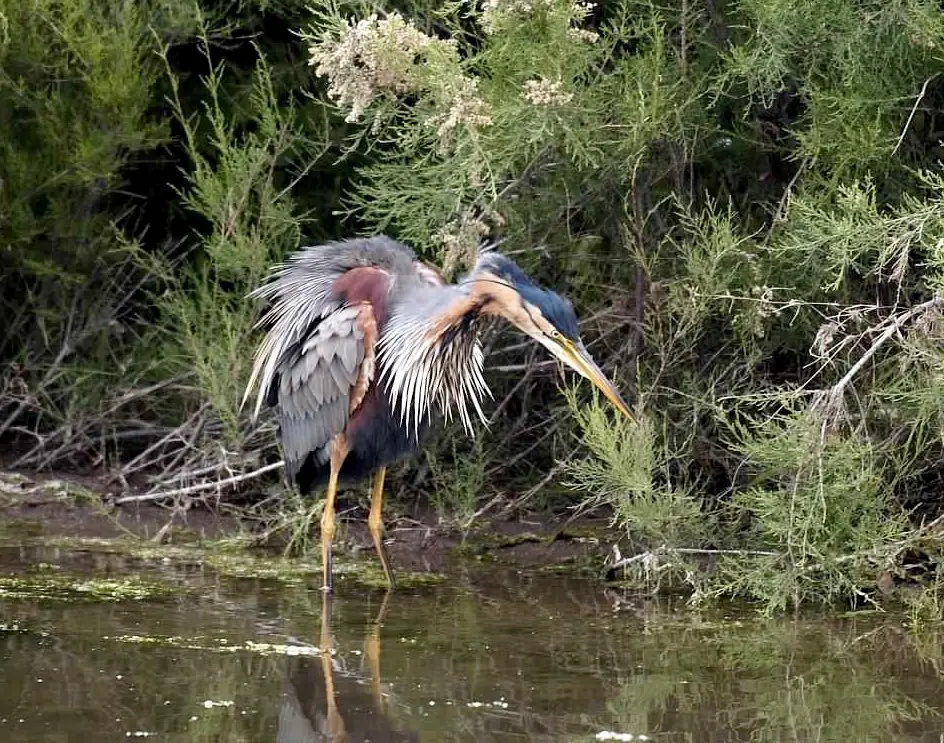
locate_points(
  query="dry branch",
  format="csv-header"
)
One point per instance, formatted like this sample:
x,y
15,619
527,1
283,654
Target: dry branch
x,y
219,484
649,554
830,401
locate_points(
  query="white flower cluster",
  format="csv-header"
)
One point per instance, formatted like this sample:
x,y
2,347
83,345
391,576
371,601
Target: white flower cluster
x,y
390,55
372,56
547,93
460,239
497,14
465,108
582,34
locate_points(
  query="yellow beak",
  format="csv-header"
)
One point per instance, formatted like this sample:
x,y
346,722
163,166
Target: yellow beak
x,y
578,359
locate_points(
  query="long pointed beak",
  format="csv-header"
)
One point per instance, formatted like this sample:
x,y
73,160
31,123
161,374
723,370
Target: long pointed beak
x,y
578,358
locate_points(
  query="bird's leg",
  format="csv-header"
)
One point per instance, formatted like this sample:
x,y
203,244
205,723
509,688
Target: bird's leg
x,y
338,454
336,731
375,525
372,654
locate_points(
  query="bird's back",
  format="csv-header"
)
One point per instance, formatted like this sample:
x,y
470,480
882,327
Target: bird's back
x,y
319,364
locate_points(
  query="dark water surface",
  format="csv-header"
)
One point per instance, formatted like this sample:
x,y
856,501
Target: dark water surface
x,y
515,658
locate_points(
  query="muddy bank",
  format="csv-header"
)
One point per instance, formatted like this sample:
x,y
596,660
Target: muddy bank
x,y
62,508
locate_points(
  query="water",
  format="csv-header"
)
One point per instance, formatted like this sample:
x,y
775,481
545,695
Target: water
x,y
499,658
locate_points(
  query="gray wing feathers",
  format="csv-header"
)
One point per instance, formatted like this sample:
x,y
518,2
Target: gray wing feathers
x,y
300,293
315,387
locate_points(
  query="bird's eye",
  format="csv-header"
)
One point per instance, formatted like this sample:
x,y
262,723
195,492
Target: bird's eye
x,y
555,335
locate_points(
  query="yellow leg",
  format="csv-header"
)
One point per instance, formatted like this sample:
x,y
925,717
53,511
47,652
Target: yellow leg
x,y
375,525
338,453
336,731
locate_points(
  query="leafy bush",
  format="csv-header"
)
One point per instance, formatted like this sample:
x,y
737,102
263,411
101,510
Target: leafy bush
x,y
766,328
742,199
76,85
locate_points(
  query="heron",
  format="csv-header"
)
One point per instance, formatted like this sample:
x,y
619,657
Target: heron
x,y
365,343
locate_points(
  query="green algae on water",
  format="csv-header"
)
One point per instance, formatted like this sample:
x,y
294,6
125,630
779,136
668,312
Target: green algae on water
x,y
221,645
238,562
71,588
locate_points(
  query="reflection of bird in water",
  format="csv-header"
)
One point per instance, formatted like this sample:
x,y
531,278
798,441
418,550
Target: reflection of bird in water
x,y
364,341
324,702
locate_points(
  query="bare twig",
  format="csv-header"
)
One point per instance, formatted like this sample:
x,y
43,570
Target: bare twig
x,y
201,487
140,393
689,551
785,197
831,401
140,460
526,496
884,551
64,351
894,548
914,110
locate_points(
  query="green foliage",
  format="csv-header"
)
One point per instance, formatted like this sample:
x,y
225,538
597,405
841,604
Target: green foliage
x,y
855,63
252,222
822,490
626,472
818,499
553,120
76,86
458,480
743,201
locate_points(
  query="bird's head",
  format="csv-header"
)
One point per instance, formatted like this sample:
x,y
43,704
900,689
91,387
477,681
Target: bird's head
x,y
504,289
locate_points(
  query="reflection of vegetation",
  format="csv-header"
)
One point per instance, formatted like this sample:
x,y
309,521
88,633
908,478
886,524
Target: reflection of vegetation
x,y
523,658
768,682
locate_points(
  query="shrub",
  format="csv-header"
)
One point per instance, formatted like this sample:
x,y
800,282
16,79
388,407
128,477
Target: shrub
x,y
743,201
